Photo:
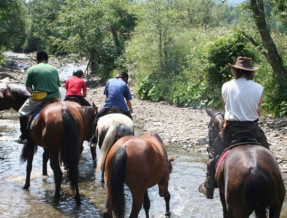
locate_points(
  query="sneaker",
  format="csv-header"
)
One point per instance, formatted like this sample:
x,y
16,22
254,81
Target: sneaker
x,y
208,192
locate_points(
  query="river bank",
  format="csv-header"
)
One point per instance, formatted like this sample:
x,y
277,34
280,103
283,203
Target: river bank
x,y
185,127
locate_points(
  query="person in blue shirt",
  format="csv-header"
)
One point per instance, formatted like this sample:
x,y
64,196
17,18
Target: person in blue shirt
x,y
118,96
118,99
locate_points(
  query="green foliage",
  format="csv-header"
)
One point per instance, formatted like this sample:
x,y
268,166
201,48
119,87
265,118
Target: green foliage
x,y
2,60
190,94
151,87
13,18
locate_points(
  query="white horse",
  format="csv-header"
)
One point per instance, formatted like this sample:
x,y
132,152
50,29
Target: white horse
x,y
109,129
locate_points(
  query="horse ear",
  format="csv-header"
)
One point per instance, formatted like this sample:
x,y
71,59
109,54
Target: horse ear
x,y
209,112
173,158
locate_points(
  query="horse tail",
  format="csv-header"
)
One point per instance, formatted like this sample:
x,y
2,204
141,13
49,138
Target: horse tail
x,y
117,181
70,153
255,191
107,144
28,148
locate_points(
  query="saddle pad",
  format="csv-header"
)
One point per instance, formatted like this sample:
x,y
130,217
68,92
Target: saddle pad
x,y
33,118
220,160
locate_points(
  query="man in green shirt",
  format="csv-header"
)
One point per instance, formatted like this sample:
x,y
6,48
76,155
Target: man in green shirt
x,y
43,83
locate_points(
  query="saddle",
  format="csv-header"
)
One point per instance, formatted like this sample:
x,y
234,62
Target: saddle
x,y
243,137
35,114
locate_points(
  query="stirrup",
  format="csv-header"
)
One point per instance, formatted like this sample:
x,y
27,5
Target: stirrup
x,y
208,192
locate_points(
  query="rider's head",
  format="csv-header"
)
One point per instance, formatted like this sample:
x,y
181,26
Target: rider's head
x,y
42,56
243,68
78,73
124,76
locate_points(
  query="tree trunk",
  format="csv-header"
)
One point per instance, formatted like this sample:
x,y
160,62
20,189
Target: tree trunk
x,y
116,39
272,54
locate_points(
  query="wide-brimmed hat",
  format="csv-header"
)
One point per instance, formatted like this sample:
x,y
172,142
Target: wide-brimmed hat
x,y
244,63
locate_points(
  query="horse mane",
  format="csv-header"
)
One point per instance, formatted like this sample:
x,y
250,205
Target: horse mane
x,y
113,126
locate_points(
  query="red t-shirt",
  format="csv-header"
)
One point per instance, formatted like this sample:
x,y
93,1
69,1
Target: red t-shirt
x,y
75,85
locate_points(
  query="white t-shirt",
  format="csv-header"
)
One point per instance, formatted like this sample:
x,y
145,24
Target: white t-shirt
x,y
241,97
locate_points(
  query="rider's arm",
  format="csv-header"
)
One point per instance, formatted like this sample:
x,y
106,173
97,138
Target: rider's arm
x,y
223,102
129,103
29,89
259,105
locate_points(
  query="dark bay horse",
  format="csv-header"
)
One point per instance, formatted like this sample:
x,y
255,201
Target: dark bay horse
x,y
59,129
12,96
140,162
249,179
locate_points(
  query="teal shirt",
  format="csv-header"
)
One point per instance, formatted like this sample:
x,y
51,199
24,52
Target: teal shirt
x,y
45,78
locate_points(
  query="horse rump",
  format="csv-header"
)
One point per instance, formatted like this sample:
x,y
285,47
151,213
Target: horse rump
x,y
255,191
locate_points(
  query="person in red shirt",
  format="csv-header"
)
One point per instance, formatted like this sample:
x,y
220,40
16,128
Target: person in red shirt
x,y
76,88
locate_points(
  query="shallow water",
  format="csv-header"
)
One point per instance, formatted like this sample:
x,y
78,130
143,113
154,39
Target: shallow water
x,y
186,201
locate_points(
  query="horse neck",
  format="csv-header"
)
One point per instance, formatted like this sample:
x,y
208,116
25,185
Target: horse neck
x,y
88,114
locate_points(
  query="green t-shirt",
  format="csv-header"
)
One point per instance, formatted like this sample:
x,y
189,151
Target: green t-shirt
x,y
45,78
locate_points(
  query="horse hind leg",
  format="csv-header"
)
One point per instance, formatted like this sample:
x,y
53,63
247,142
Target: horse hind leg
x,y
274,212
54,162
28,154
137,204
94,153
146,204
45,161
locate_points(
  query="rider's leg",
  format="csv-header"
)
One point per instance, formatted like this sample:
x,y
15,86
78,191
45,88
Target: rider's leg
x,y
262,138
24,129
28,107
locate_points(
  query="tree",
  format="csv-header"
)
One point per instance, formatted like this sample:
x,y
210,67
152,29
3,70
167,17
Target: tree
x,y
13,17
271,53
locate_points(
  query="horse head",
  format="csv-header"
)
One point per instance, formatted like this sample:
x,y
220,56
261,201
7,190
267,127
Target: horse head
x,y
12,96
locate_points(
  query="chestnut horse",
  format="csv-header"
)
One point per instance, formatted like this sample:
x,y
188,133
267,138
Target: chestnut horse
x,y
110,128
14,95
140,162
59,129
249,179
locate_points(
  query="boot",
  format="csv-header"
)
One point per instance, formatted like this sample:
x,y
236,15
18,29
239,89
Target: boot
x,y
24,130
207,187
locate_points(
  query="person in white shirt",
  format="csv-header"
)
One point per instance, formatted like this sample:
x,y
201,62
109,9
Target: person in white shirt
x,y
242,99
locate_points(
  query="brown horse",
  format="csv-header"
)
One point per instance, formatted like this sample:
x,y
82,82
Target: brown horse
x,y
59,128
14,95
140,163
249,179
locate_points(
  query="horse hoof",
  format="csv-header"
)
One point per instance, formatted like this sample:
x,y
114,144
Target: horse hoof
x,y
26,187
167,214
